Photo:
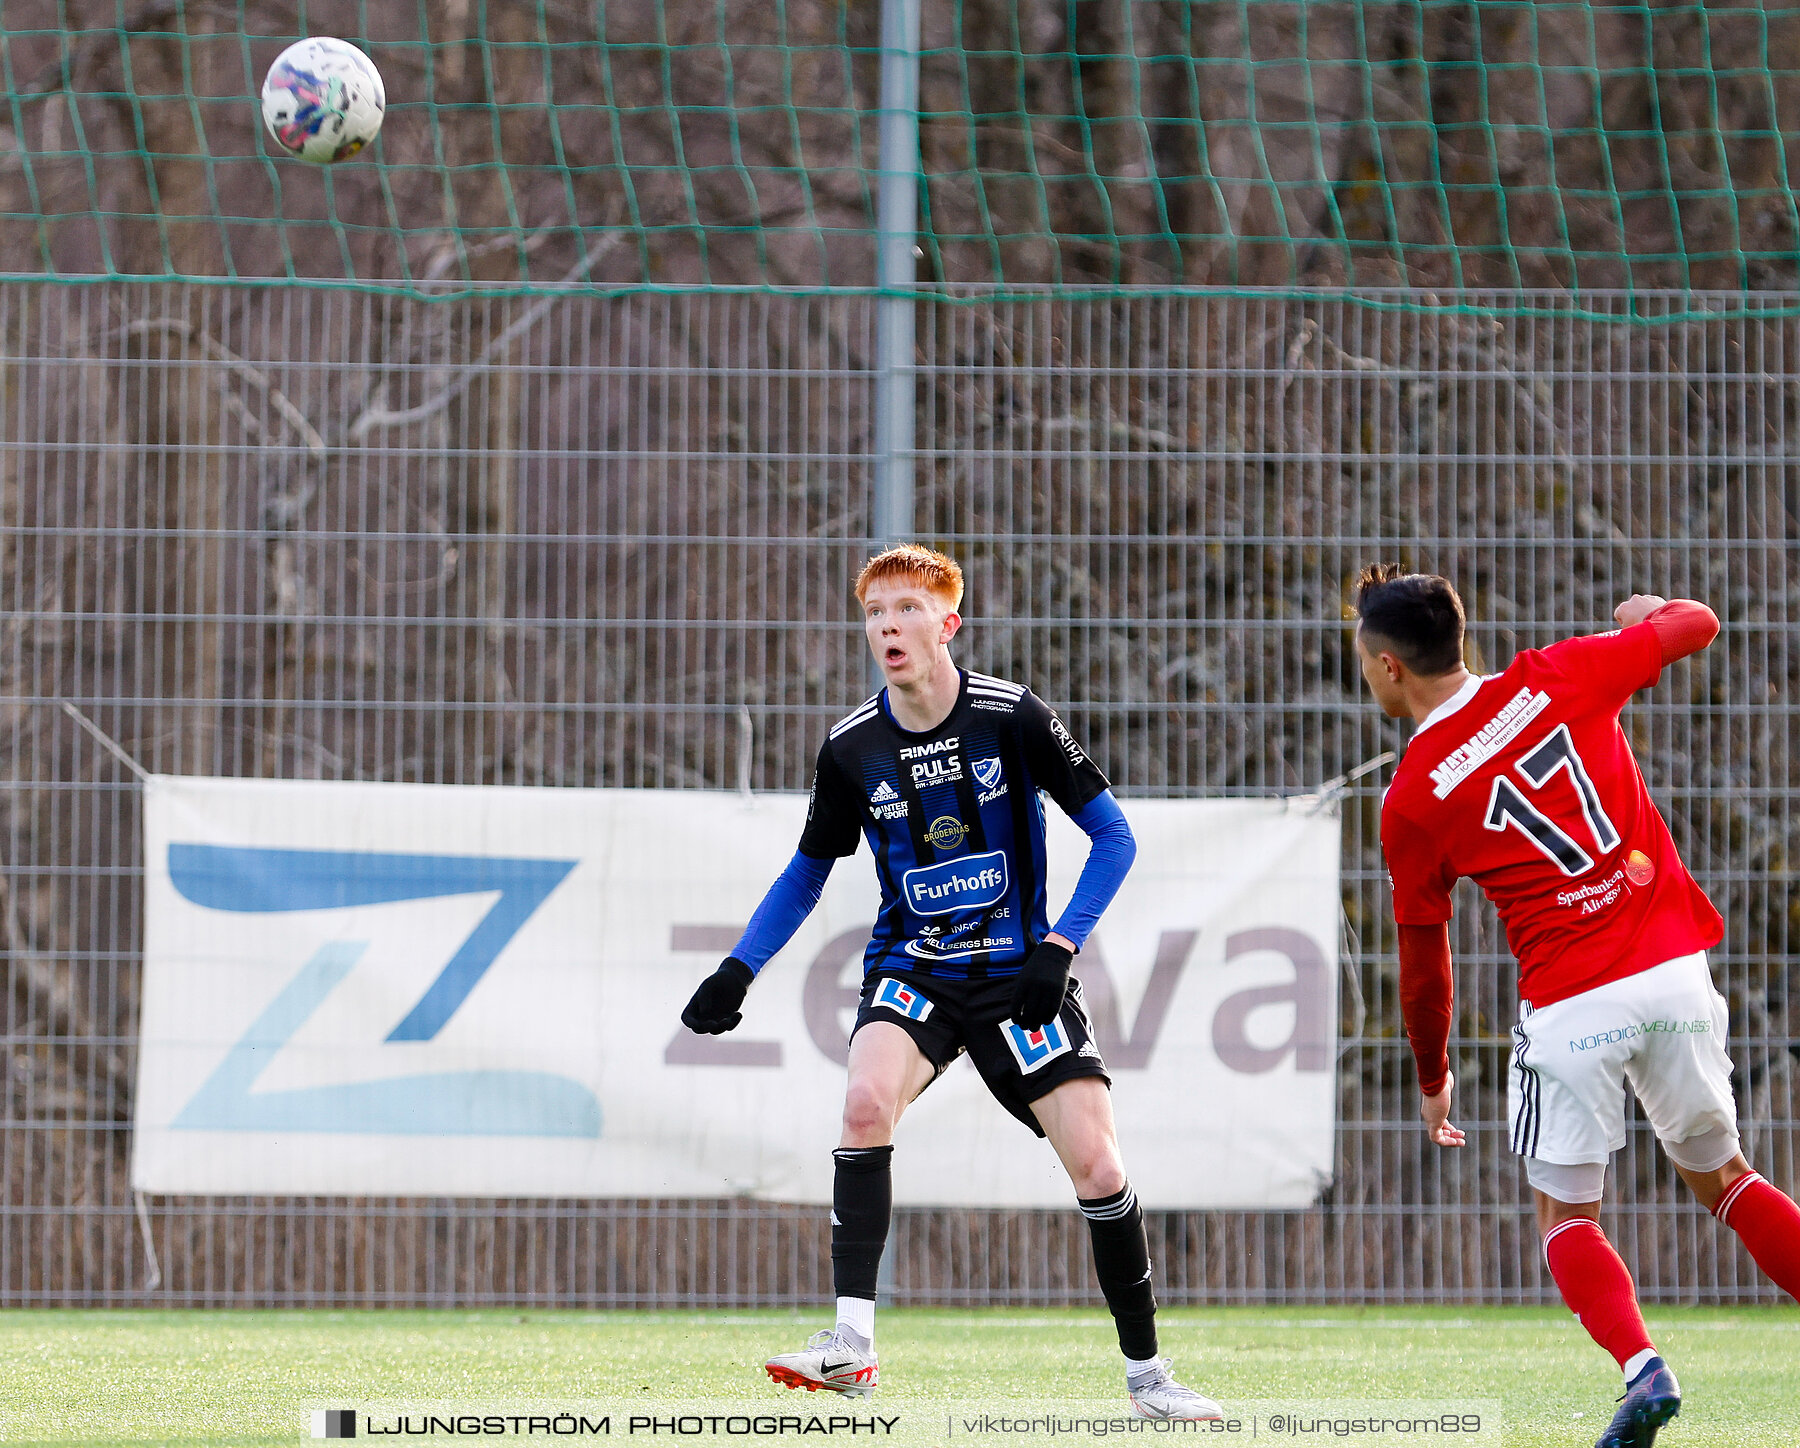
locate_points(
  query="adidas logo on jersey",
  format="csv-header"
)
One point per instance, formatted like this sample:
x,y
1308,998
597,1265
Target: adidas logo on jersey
x,y
883,793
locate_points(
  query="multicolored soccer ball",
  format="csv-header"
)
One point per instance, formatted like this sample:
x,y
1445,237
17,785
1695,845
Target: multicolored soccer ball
x,y
323,100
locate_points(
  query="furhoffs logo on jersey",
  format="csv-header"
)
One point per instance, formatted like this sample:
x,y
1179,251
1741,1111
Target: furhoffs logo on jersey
x,y
898,996
966,884
946,832
1032,1049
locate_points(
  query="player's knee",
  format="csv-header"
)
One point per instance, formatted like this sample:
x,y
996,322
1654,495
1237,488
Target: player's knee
x,y
1098,1173
1711,1187
869,1113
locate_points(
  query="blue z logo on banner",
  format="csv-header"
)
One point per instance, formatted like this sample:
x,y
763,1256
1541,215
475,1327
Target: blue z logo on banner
x,y
452,1103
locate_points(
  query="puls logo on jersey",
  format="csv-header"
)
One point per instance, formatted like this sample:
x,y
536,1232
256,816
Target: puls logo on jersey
x,y
930,764
885,803
898,996
987,775
971,883
1035,1049
937,771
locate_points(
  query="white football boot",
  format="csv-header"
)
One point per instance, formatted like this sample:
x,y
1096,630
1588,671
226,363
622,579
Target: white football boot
x,y
828,1362
1157,1395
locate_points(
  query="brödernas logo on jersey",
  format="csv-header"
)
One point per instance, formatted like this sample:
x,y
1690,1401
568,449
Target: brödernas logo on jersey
x,y
1488,740
946,832
965,884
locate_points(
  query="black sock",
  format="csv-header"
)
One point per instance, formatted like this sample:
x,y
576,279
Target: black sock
x,y
1122,1263
862,1201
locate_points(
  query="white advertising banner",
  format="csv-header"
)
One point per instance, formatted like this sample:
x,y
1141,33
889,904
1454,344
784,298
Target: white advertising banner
x,y
420,990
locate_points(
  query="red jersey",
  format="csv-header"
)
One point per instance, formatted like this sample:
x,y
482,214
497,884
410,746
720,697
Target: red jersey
x,y
1524,783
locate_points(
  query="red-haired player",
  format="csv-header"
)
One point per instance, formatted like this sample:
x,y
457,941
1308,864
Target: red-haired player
x,y
941,772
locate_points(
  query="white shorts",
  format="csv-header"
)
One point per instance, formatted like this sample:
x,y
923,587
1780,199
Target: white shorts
x,y
1663,1030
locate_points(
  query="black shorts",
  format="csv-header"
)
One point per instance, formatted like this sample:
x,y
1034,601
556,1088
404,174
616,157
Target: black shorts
x,y
947,1017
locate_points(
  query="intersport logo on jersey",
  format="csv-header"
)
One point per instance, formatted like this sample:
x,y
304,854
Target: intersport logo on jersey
x,y
411,990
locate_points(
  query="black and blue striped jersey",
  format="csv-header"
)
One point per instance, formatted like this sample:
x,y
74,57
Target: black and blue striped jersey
x,y
955,823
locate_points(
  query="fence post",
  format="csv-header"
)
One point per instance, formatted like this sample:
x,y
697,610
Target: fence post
x,y
895,272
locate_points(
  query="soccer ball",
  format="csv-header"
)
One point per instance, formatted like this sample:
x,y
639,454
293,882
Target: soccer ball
x,y
323,100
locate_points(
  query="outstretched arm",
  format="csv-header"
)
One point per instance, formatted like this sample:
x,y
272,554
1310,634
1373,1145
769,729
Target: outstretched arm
x,y
1682,626
713,1009
1427,994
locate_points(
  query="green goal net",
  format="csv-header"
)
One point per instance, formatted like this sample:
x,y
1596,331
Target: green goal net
x,y
1068,143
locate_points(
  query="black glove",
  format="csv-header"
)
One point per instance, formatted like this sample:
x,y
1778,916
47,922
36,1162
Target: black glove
x,y
1042,985
713,1010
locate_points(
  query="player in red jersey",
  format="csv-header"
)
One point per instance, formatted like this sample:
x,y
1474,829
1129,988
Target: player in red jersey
x,y
1523,782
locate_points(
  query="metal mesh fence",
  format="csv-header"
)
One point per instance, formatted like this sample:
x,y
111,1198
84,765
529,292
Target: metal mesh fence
x,y
591,539
1442,143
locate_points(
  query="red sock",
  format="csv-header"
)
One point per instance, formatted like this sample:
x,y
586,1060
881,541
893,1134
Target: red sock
x,y
1597,1287
1767,1220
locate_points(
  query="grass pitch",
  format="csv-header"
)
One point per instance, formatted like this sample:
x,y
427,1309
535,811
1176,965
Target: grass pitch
x,y
201,1378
